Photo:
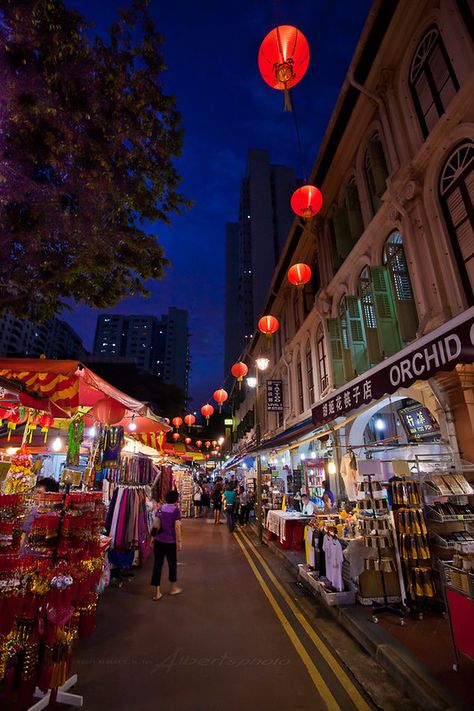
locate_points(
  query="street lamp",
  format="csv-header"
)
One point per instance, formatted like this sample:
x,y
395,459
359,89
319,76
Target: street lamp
x,y
253,382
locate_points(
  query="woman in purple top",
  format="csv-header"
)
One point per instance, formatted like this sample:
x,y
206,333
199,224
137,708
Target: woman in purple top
x,y
167,542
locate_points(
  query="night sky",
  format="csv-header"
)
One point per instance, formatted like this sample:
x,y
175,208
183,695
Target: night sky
x,y
211,53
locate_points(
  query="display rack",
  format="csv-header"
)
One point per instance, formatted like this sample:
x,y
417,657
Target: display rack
x,y
458,593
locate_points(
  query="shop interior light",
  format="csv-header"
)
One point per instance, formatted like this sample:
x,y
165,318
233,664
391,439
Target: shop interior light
x,y
12,450
133,425
262,363
220,441
379,424
252,382
303,457
244,466
313,455
332,466
57,444
92,431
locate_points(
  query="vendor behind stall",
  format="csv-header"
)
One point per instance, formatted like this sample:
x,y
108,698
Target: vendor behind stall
x,y
307,506
328,497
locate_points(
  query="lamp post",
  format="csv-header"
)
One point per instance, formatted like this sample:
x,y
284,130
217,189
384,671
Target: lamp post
x,y
253,382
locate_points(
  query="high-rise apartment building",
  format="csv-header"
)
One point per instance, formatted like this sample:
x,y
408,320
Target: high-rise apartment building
x,y
253,246
159,346
54,338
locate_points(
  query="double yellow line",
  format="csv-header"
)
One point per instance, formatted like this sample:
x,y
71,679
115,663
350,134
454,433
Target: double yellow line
x,y
318,681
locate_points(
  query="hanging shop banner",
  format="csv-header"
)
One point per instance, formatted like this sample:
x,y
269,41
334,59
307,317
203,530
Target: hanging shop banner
x,y
442,349
418,422
274,396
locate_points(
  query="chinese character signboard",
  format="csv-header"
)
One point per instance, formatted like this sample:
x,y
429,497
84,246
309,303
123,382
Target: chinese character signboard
x,y
274,396
450,344
418,422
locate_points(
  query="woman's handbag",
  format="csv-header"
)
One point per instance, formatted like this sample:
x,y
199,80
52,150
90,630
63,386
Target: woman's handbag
x,y
156,526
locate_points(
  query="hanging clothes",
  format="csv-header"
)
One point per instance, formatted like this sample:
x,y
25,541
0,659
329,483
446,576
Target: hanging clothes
x,y
113,442
334,559
127,518
349,475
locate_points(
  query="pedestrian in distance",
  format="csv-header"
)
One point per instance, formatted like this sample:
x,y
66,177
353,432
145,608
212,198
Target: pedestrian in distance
x,y
205,500
217,499
244,511
229,499
167,541
197,495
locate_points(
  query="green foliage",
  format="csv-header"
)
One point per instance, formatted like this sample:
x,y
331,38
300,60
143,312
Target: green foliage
x,y
88,139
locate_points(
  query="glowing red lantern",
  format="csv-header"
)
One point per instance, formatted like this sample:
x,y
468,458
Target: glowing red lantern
x,y
189,420
299,275
36,419
207,410
187,440
46,421
108,411
268,325
220,396
176,436
307,201
207,444
177,422
218,448
199,444
239,370
283,59
214,443
207,456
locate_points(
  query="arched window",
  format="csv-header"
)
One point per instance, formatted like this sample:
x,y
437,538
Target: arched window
x,y
456,188
299,383
322,360
396,263
376,171
309,371
354,212
433,82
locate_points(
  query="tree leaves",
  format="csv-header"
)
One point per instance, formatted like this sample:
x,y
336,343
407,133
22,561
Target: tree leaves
x,y
87,144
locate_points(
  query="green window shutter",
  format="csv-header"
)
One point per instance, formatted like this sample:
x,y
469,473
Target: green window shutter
x,y
356,331
387,322
404,302
378,164
344,241
337,358
356,222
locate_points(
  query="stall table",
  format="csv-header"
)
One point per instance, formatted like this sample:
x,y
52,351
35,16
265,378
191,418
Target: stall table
x,y
288,528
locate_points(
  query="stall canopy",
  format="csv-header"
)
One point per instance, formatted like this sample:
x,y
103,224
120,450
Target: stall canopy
x,y
64,387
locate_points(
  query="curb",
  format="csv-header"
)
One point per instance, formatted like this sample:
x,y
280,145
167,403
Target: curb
x,y
404,668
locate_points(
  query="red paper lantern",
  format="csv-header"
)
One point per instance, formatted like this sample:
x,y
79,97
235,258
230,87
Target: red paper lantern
x,y
214,443
239,370
177,422
46,421
307,201
189,420
207,410
36,419
187,440
207,444
218,447
108,411
299,275
207,456
199,444
268,325
220,396
176,436
283,59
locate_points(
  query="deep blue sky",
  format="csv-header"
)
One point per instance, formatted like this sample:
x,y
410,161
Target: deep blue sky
x,y
211,53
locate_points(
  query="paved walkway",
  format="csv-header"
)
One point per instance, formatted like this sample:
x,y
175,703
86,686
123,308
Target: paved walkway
x,y
233,639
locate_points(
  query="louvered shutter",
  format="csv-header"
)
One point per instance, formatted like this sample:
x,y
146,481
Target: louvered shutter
x,y
337,359
356,222
344,241
356,331
387,324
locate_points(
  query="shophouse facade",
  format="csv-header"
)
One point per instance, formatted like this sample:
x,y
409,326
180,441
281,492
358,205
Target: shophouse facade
x,y
392,250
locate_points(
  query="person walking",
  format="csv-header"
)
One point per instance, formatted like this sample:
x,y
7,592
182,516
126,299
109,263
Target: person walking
x,y
205,499
244,507
197,495
167,541
229,498
217,499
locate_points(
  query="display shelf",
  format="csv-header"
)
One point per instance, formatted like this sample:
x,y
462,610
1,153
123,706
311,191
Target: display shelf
x,y
462,546
434,515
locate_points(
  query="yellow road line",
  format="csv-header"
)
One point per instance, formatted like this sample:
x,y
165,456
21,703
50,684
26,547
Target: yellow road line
x,y
317,679
359,702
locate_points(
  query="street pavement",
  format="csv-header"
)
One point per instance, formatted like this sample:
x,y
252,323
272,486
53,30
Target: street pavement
x,y
241,635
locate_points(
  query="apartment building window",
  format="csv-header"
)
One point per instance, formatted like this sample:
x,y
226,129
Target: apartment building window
x,y
309,371
299,382
376,171
395,260
322,360
433,82
456,190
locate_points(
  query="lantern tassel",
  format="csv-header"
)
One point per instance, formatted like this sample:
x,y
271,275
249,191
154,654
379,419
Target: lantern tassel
x,y
287,99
